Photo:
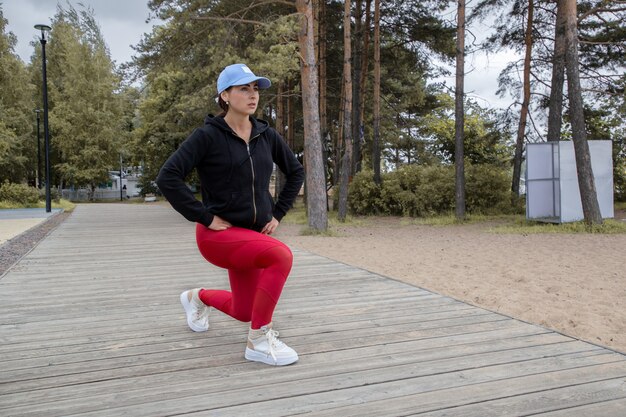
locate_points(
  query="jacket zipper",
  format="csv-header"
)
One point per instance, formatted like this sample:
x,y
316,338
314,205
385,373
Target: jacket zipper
x,y
252,168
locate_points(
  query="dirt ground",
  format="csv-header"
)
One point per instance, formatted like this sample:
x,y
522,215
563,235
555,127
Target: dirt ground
x,y
572,283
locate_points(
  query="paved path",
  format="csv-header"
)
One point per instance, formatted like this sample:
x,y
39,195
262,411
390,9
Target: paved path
x,y
90,325
16,221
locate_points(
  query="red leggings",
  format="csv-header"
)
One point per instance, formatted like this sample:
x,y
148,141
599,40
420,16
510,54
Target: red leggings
x,y
258,266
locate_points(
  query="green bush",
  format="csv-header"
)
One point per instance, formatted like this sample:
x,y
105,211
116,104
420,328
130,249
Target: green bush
x,y
363,194
18,193
420,190
436,190
619,181
54,194
390,194
487,189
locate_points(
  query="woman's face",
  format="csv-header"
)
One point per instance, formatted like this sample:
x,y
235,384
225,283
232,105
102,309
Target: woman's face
x,y
242,99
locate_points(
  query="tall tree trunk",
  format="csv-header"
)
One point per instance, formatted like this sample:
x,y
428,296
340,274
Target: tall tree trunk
x,y
408,141
586,184
322,67
290,138
280,128
356,91
555,110
315,177
346,160
365,58
339,139
321,53
459,115
376,141
521,129
290,115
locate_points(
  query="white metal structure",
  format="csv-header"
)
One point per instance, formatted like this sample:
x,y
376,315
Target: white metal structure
x,y
552,192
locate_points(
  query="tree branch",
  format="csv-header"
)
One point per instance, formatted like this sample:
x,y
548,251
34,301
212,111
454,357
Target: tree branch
x,y
604,92
601,8
231,19
263,3
532,121
600,43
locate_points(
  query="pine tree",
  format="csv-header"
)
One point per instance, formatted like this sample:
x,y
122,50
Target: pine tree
x,y
85,118
18,141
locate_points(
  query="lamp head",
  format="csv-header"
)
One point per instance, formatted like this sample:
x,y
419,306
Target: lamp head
x,y
43,29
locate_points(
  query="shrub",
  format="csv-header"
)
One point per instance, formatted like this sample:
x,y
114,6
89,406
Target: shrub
x,y
390,194
364,194
487,189
54,194
420,190
18,193
619,179
437,189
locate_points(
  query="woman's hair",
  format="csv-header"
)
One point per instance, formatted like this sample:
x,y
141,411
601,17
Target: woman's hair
x,y
222,104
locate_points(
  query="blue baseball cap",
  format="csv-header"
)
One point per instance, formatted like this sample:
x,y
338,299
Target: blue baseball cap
x,y
239,74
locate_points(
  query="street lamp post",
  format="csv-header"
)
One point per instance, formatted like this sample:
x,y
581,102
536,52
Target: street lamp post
x,y
38,150
121,188
44,29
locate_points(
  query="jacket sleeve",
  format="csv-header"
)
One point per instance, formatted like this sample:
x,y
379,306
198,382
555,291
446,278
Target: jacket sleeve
x,y
171,178
293,170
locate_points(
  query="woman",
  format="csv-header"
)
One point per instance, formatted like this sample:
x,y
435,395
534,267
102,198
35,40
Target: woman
x,y
234,154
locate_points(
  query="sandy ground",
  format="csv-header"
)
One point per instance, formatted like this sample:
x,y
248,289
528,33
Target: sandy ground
x,y
11,228
572,283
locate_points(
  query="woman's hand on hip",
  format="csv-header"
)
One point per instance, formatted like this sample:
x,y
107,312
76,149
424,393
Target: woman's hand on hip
x,y
219,224
270,227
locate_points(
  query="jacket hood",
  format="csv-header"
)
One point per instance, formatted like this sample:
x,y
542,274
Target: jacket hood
x,y
258,126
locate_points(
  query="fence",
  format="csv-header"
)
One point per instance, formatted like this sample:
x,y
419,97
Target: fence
x,y
83,194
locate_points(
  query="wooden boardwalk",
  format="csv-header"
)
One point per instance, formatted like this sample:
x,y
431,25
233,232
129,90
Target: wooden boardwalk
x,y
90,324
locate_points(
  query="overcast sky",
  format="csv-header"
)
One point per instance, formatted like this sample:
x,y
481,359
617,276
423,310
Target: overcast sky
x,y
124,21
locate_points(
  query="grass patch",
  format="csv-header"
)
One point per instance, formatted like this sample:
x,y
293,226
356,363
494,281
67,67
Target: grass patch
x,y
307,231
451,220
333,220
501,223
297,215
517,224
66,205
609,226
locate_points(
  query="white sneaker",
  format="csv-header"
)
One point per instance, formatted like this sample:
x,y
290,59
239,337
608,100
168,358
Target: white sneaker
x,y
197,311
267,348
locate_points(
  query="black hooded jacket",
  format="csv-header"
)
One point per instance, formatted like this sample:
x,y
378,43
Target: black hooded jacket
x,y
234,175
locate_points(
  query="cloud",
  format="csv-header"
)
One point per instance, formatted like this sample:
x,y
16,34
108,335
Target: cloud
x,y
122,22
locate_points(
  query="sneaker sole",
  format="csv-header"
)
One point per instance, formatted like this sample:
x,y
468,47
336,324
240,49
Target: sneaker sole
x,y
253,355
184,300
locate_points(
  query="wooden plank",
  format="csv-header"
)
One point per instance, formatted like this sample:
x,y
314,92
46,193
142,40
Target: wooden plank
x,y
542,401
347,325
51,368
217,357
368,345
428,350
352,327
613,408
294,382
407,396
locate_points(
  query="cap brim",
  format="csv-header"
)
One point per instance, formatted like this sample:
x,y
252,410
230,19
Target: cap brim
x,y
262,82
